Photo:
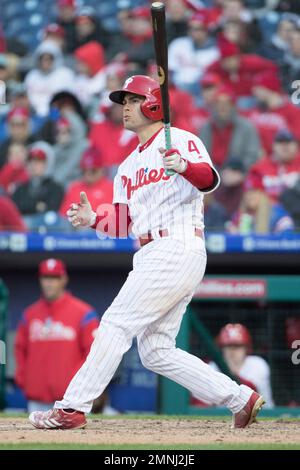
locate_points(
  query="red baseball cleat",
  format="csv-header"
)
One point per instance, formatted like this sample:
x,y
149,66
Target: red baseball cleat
x,y
57,419
247,415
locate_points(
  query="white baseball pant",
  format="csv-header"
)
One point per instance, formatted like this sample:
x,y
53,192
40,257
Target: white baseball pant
x,y
150,305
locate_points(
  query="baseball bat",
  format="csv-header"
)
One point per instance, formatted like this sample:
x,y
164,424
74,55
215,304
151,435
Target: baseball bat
x,y
161,56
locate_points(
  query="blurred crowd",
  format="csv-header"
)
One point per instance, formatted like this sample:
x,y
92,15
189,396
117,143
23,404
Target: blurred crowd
x,y
234,81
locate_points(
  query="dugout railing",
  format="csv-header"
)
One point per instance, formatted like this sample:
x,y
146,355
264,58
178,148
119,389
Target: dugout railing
x,y
270,308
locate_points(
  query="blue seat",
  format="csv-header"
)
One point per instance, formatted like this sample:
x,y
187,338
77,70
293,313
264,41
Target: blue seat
x,y
111,24
13,9
36,20
124,4
106,9
28,39
3,128
255,3
31,5
15,27
27,18
49,222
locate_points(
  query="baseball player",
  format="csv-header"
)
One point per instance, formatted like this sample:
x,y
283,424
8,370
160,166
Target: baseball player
x,y
235,342
53,338
165,212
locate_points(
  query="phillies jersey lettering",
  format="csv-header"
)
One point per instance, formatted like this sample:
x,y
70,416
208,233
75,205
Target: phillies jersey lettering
x,y
142,178
155,200
51,331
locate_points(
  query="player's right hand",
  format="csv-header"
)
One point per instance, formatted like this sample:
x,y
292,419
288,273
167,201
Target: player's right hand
x,y
82,214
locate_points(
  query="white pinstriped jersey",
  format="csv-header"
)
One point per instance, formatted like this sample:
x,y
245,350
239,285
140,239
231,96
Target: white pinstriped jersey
x,y
155,200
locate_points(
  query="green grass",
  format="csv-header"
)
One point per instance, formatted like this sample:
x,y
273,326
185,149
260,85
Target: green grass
x,y
13,415
149,447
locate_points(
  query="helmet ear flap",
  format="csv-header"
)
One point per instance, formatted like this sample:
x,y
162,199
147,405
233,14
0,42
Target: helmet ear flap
x,y
152,106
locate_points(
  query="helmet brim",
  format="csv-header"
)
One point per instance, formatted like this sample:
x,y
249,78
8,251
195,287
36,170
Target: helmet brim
x,y
117,96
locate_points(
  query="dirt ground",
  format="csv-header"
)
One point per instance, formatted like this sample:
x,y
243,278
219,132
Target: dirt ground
x,y
154,431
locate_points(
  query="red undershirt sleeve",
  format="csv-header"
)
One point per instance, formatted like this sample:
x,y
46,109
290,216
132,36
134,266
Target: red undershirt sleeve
x,y
200,175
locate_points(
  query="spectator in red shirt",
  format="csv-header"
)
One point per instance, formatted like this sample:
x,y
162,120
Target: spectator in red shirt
x,y
98,188
10,217
90,78
53,338
238,70
281,170
14,172
274,111
110,138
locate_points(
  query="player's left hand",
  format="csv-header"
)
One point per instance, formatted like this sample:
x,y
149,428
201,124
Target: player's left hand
x,y
173,160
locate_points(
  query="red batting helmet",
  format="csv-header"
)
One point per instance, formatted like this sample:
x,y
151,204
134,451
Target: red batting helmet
x,y
144,86
234,334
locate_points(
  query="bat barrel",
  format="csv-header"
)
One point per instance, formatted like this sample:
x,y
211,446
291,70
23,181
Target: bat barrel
x,y
161,53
